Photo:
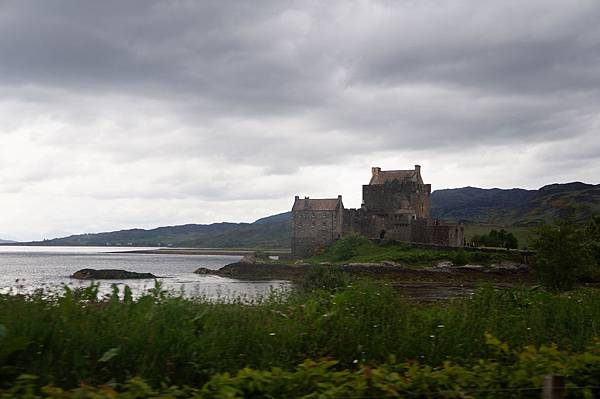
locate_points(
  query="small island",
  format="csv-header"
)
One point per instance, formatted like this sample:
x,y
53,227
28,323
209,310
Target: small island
x,y
110,274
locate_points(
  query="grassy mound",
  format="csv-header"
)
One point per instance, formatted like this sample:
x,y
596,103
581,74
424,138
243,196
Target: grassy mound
x,y
359,249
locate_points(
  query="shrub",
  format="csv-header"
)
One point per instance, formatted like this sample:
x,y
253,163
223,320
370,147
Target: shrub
x,y
592,233
508,373
497,238
460,258
326,278
562,255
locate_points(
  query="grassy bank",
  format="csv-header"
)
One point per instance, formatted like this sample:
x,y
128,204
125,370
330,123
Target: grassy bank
x,y
359,249
73,337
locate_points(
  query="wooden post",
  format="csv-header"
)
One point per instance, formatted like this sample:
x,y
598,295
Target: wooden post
x,y
554,387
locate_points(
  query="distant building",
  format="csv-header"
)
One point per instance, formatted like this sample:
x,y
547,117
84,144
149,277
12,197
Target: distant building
x,y
395,207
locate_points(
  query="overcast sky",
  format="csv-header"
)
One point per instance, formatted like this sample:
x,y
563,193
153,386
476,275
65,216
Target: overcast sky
x,y
118,114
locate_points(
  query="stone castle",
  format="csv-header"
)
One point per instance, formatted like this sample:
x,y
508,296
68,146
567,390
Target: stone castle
x,y
395,206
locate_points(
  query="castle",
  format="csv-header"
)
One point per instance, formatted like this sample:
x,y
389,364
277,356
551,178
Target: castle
x,y
395,207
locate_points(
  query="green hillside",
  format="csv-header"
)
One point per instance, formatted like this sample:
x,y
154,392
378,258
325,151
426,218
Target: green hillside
x,y
269,232
516,207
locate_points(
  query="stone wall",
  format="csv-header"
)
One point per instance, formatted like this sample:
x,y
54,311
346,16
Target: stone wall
x,y
433,232
352,221
389,197
314,229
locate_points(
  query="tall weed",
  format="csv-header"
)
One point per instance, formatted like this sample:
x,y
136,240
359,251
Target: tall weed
x,y
69,338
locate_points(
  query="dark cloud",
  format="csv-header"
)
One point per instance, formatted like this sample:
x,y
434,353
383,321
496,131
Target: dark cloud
x,y
225,101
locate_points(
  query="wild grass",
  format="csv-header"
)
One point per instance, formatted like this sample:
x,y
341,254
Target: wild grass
x,y
75,336
509,373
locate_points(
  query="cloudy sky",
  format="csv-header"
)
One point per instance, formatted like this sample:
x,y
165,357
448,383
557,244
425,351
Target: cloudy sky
x,y
118,114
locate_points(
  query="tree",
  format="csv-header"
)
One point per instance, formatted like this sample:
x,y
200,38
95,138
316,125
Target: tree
x,y
495,238
562,256
592,232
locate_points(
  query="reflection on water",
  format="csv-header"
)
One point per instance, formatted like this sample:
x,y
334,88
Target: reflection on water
x,y
25,269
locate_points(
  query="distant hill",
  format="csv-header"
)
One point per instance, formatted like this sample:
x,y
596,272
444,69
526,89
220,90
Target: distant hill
x,y
270,232
280,217
7,241
469,205
516,207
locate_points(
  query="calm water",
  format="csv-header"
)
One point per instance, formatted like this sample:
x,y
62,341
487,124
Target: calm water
x,y
24,269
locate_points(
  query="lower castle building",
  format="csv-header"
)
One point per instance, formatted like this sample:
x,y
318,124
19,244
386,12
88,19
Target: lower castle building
x,y
395,207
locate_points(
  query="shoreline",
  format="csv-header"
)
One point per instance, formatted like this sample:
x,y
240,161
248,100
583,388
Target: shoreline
x,y
205,251
455,275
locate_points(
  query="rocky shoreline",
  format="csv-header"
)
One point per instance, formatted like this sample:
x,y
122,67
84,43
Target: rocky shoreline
x,y
442,272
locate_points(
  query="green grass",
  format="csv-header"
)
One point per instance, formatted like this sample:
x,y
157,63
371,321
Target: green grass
x,y
74,337
523,234
358,249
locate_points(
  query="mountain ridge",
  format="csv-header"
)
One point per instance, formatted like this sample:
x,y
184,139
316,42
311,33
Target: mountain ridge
x,y
468,205
268,232
516,207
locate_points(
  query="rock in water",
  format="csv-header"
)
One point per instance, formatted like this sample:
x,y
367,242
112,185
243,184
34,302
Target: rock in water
x,y
109,274
204,270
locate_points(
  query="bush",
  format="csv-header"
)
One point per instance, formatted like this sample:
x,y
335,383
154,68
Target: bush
x,y
562,256
592,233
326,278
507,373
460,258
497,238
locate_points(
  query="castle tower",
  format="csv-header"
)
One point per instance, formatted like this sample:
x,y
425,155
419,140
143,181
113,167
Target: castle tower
x,y
316,223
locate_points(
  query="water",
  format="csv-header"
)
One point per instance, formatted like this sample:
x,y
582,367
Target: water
x,y
25,269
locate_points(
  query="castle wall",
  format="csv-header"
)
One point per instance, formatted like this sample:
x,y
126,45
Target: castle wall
x,y
313,230
399,233
420,231
456,238
351,222
391,196
431,231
